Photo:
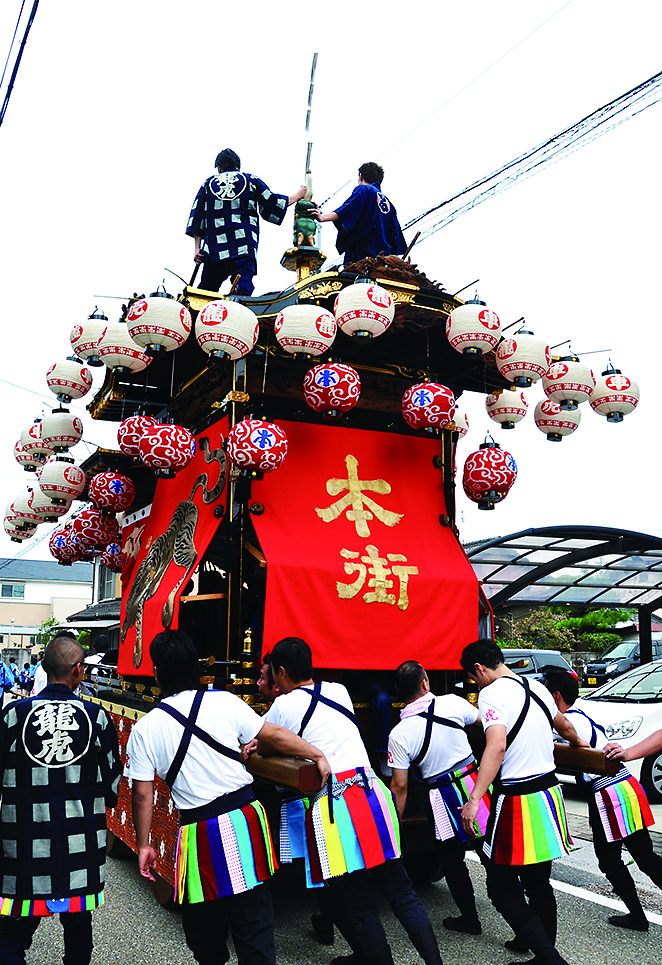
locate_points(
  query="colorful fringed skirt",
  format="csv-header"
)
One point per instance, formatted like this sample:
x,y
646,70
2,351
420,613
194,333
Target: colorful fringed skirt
x,y
45,907
224,854
622,805
528,823
360,829
448,793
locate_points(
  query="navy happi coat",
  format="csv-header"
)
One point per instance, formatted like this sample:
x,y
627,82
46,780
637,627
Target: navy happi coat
x,y
60,769
368,225
225,214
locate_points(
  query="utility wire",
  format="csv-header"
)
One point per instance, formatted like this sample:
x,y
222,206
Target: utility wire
x,y
12,79
11,46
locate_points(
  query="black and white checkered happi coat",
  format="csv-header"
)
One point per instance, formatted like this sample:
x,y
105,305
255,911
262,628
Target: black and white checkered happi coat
x,y
60,768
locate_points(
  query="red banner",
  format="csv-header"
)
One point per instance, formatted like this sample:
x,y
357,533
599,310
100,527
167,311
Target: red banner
x,y
358,564
172,539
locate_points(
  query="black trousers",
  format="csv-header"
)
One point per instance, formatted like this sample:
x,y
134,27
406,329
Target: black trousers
x,y
352,903
214,273
521,893
248,915
16,936
458,878
611,864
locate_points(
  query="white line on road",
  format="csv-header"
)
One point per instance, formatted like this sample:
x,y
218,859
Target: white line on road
x,y
588,895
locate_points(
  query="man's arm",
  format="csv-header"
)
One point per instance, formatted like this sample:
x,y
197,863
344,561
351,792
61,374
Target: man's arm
x,y
650,745
297,196
565,729
329,216
141,806
280,740
490,762
198,257
399,786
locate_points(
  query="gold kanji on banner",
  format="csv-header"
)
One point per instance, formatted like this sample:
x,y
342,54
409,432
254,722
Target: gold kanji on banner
x,y
357,499
379,570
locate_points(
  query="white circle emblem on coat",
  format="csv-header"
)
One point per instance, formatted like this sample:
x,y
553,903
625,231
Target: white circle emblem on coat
x,y
228,185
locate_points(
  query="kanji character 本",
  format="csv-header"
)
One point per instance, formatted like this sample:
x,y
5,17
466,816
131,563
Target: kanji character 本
x,y
357,499
377,566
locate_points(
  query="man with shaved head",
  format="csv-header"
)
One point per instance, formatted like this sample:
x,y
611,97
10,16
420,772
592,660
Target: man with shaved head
x,y
59,770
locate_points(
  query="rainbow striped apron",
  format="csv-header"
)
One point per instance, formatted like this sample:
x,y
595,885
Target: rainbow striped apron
x,y
448,793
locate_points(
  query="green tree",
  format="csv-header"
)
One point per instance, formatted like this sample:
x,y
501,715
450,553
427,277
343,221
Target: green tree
x,y
45,632
564,628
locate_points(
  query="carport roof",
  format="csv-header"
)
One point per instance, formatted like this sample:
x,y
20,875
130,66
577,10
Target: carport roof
x,y
585,565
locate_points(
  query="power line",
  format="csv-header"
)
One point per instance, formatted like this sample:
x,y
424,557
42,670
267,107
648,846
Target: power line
x,y
12,79
11,46
554,149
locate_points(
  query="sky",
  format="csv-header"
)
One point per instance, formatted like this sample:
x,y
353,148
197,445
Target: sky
x,y
119,110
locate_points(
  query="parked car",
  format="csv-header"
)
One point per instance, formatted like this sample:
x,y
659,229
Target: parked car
x,y
530,663
615,661
630,709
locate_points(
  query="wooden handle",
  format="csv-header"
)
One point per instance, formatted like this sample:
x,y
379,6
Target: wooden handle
x,y
579,759
292,772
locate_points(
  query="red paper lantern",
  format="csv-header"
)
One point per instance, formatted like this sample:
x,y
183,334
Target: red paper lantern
x,y
95,528
488,475
253,444
428,405
332,388
111,557
111,490
167,449
65,550
131,432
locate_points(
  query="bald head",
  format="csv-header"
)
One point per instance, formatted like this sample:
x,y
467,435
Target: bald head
x,y
61,656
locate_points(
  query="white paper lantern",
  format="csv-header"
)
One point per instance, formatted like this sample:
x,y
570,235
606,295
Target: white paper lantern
x,y
20,520
15,534
226,328
61,479
523,359
305,328
568,382
615,395
23,510
85,338
119,352
460,424
24,458
473,328
158,323
69,379
364,310
554,421
49,511
60,430
507,407
34,445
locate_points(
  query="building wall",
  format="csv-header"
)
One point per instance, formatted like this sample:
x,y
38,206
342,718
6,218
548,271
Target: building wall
x,y
26,614
43,591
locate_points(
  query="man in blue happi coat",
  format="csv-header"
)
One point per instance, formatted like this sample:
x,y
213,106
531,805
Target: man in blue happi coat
x,y
224,222
367,222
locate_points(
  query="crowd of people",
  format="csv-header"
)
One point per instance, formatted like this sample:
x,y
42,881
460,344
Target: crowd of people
x,y
60,768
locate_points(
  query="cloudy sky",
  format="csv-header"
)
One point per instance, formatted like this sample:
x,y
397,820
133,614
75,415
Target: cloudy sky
x,y
119,110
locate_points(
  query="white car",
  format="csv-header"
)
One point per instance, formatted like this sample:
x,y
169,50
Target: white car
x,y
630,709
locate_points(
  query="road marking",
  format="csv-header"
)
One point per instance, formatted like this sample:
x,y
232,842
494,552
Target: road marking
x,y
587,895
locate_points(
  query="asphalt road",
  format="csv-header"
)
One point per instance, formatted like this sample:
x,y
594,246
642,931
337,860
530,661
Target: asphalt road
x,y
133,928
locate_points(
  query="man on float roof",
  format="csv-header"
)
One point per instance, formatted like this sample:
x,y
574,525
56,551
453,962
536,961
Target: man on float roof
x,y
367,222
224,222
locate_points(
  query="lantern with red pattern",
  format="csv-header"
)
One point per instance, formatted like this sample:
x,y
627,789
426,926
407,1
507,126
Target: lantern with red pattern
x,y
507,408
60,430
305,328
523,359
34,445
15,534
488,474
69,379
554,421
472,328
332,388
49,511
95,528
257,445
119,352
226,328
24,458
131,432
25,515
158,323
65,549
460,424
364,310
112,491
428,405
111,557
61,479
12,517
615,395
568,382
167,449
85,338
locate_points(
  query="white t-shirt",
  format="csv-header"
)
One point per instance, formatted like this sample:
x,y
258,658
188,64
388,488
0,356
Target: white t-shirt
x,y
532,752
448,746
205,773
583,727
40,681
328,729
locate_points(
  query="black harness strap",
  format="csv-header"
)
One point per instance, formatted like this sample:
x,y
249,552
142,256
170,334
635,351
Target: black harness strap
x,y
594,727
317,697
190,729
517,726
431,719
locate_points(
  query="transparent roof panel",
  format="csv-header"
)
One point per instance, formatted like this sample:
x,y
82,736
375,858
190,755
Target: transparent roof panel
x,y
607,560
514,572
533,541
617,596
603,578
544,556
484,570
636,562
580,544
576,594
643,579
535,594
569,574
496,554
650,597
489,589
